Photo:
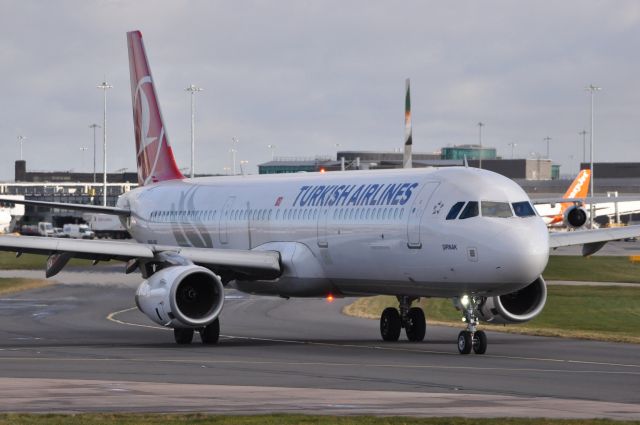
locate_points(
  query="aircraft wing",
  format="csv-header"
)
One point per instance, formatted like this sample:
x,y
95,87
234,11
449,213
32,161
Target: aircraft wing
x,y
587,200
256,264
592,240
72,207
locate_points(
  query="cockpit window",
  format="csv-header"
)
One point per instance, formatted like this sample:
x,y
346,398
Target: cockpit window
x,y
455,209
496,209
523,209
471,210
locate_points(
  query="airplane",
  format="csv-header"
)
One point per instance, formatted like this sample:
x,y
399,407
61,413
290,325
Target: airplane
x,y
567,214
573,210
462,233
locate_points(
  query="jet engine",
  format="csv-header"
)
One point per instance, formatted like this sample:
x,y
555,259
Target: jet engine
x,y
516,307
186,296
575,217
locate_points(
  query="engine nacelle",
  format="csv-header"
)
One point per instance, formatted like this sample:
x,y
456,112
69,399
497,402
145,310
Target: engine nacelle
x,y
517,307
575,217
186,296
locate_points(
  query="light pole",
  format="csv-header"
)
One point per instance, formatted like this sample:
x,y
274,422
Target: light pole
x,y
83,149
513,145
20,140
233,151
104,86
94,126
583,133
273,151
480,125
547,139
193,90
592,89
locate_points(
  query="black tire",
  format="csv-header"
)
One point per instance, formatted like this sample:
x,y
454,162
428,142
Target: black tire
x,y
416,326
480,342
464,342
390,325
210,333
183,336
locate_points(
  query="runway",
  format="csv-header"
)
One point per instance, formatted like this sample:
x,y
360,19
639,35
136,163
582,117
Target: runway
x,y
84,347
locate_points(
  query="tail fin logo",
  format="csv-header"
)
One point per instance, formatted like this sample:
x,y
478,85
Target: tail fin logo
x,y
579,187
153,153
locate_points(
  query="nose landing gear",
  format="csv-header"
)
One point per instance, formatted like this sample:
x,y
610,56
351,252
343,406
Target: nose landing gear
x,y
410,318
471,338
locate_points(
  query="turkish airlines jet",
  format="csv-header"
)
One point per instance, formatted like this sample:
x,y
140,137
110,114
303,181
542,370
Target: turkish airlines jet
x,y
461,233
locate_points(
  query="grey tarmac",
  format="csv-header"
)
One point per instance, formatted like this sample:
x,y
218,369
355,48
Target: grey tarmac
x,y
84,347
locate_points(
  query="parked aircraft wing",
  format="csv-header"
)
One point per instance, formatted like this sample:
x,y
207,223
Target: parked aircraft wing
x,y
587,200
70,207
249,264
592,238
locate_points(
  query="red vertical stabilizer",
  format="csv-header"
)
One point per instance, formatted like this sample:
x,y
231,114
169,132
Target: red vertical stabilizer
x,y
153,153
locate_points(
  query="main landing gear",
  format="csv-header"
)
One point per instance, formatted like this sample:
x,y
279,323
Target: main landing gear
x,y
471,338
410,318
209,334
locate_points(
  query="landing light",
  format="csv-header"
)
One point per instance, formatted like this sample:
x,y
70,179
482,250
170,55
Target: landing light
x,y
330,298
464,300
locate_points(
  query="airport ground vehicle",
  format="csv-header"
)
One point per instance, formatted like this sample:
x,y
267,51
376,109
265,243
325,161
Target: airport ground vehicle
x,y
43,228
78,231
106,226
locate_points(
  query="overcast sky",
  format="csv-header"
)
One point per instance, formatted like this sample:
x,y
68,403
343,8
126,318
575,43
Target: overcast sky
x,y
305,76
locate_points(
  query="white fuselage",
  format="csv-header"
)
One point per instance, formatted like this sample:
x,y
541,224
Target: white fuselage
x,y
360,232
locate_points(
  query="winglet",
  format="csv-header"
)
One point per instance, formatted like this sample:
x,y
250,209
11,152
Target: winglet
x,y
153,153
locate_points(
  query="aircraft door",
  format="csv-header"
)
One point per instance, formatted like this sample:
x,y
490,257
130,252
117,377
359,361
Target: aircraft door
x,y
322,228
223,223
416,212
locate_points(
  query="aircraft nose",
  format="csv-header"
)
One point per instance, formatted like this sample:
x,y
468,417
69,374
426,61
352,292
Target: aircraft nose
x,y
525,251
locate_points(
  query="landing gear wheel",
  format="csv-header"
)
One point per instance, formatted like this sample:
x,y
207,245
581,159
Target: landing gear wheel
x,y
464,342
210,333
416,326
479,342
183,336
390,324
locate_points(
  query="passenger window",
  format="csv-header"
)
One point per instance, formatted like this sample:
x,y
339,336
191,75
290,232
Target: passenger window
x,y
395,214
277,214
496,209
367,214
269,216
379,213
351,214
523,209
455,209
471,210
335,214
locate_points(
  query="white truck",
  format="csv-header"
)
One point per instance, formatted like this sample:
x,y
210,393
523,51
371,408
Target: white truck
x,y
78,231
106,226
43,228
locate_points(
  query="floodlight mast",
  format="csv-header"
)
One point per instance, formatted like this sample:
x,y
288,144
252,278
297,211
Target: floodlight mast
x,y
94,126
592,89
192,89
104,86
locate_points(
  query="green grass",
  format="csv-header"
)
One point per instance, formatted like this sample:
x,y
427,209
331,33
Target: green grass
x,y
12,285
9,261
160,419
594,269
589,312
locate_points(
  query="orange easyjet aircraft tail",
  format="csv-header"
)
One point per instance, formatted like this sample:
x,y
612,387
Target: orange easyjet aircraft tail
x,y
578,189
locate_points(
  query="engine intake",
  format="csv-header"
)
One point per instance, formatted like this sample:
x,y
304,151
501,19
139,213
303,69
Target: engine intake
x,y
575,217
185,296
516,307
